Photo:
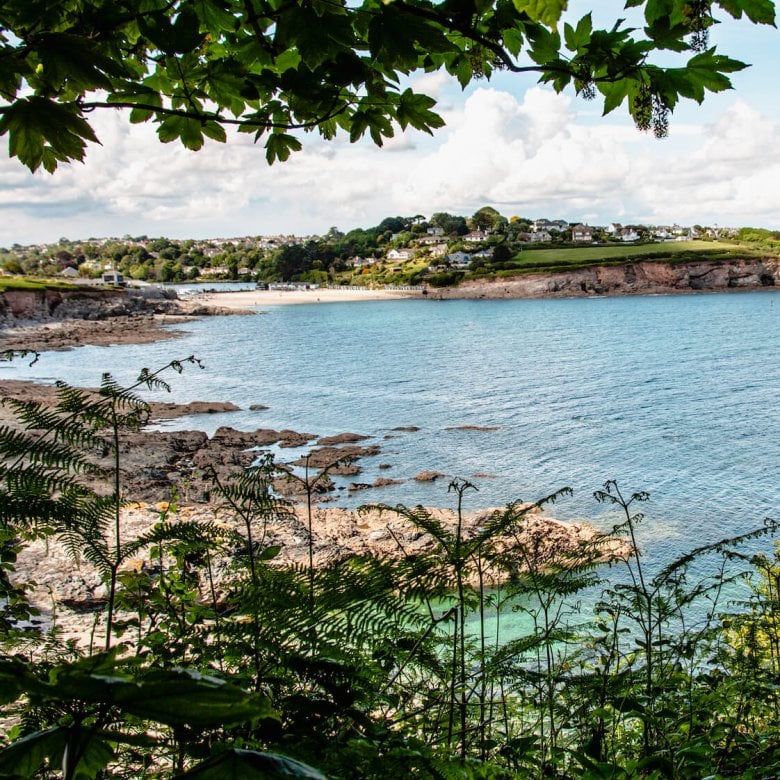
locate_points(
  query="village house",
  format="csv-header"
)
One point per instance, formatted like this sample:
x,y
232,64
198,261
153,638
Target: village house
x,y
113,277
476,236
439,250
435,231
217,270
539,236
400,254
458,259
582,233
549,225
429,240
661,232
360,262
628,234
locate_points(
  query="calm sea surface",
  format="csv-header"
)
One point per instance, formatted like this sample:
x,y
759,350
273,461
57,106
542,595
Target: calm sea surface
x,y
676,395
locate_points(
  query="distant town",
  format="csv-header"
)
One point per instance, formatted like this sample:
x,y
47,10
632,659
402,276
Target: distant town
x,y
399,250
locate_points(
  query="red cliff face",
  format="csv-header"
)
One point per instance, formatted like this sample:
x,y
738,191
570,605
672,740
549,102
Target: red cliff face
x,y
636,278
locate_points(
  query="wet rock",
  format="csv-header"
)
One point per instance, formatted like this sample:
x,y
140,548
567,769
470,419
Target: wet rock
x,y
170,411
293,439
341,438
384,482
472,428
428,476
327,456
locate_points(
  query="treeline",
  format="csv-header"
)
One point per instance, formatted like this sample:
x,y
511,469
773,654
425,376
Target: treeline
x,y
328,258
211,661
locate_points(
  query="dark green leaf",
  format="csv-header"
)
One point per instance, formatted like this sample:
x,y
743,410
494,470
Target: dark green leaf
x,y
251,765
280,145
23,758
758,11
414,109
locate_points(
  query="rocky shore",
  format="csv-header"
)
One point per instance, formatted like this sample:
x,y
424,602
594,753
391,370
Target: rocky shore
x,y
157,466
640,278
39,320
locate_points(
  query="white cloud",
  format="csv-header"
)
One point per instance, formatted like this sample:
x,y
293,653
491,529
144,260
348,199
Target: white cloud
x,y
538,155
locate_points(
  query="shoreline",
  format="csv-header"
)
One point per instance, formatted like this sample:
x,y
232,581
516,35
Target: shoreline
x,y
244,299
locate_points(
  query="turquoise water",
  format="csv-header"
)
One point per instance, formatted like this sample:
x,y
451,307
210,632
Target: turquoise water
x,y
676,395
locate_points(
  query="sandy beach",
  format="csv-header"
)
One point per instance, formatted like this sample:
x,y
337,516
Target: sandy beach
x,y
250,298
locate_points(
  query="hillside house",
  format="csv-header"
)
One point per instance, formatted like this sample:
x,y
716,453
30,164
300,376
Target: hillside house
x,y
540,236
459,259
549,225
400,254
429,240
113,277
661,232
582,233
476,236
628,234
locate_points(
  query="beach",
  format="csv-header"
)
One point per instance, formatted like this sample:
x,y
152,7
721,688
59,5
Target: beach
x,y
251,298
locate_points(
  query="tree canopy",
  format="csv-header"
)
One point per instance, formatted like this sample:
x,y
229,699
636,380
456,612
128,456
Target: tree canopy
x,y
268,67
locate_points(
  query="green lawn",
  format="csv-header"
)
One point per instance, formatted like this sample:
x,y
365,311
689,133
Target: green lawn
x,y
562,259
31,283
593,254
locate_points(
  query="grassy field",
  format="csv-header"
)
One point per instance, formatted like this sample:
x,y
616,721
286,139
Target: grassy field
x,y
31,283
595,254
563,259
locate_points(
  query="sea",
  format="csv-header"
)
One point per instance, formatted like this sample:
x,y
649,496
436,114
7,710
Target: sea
x,y
676,395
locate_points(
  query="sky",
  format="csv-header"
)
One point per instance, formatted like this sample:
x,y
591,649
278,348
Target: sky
x,y
508,143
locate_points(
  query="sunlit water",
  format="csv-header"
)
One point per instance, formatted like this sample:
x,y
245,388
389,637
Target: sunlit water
x,y
676,395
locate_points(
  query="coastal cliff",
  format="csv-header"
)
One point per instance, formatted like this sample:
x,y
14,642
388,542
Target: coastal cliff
x,y
56,319
634,278
18,307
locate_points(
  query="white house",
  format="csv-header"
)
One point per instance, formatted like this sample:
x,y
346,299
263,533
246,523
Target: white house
x,y
476,236
661,232
113,277
628,234
400,254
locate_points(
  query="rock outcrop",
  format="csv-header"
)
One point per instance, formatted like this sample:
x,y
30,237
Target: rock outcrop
x,y
18,307
62,319
644,277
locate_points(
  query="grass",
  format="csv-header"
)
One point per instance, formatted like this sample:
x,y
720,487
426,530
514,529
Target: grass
x,y
592,255
8,283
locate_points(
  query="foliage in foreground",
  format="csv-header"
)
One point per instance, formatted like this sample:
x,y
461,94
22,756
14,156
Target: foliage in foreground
x,y
197,68
471,660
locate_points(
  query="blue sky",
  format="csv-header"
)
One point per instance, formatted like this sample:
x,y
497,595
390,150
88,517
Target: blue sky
x,y
508,143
